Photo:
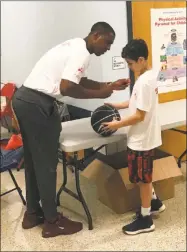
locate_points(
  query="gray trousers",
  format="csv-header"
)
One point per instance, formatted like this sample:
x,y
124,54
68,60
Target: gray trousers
x,y
40,128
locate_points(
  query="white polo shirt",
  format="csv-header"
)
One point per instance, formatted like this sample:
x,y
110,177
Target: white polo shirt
x,y
145,135
68,60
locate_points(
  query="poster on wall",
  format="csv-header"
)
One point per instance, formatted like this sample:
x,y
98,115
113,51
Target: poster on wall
x,y
118,63
168,35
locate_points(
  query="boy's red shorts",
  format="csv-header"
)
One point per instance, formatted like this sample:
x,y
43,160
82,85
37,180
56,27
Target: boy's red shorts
x,y
140,165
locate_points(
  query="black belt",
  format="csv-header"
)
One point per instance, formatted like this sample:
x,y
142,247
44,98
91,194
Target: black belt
x,y
34,96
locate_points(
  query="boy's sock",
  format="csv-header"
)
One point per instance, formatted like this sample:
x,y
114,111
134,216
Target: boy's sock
x,y
145,211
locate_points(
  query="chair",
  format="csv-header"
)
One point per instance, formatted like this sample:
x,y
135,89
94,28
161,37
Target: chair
x,y
11,159
7,91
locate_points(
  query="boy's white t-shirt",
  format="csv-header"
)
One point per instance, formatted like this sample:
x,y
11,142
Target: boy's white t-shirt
x,y
145,135
68,60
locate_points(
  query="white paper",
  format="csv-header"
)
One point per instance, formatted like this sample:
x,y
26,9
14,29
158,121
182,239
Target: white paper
x,y
118,63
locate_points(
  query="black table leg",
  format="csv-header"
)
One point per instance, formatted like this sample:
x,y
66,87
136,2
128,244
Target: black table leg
x,y
180,158
79,195
81,198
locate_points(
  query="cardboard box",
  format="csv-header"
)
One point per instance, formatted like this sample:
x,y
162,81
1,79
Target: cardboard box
x,y
180,145
116,191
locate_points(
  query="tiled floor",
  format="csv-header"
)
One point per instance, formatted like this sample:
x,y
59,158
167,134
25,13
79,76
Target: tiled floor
x,y
170,233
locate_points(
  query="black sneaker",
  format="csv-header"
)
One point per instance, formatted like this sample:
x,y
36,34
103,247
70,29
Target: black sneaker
x,y
142,224
157,206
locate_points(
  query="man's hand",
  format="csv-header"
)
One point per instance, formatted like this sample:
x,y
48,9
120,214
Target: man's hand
x,y
120,84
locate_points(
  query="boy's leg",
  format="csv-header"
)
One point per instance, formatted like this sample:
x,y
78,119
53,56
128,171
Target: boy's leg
x,y
140,166
145,195
156,205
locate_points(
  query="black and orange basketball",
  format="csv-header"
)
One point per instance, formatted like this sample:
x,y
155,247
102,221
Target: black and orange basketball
x,y
104,113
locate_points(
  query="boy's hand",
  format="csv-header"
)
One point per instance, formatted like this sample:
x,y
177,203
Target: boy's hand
x,y
111,126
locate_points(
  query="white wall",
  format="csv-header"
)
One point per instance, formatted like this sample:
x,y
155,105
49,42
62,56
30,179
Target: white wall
x,y
29,29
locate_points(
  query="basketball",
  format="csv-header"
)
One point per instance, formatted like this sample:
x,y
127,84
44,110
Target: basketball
x,y
104,113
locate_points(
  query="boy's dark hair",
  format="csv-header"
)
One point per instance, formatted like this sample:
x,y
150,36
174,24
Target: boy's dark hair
x,y
134,49
102,28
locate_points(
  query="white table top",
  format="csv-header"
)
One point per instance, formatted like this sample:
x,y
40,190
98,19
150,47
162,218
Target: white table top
x,y
78,134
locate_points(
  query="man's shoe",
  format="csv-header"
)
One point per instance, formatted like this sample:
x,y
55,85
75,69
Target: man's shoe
x,y
62,226
32,220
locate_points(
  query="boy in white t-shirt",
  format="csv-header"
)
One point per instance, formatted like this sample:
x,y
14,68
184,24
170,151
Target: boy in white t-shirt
x,y
144,134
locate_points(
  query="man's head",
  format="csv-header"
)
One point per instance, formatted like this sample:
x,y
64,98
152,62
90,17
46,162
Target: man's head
x,y
100,38
136,54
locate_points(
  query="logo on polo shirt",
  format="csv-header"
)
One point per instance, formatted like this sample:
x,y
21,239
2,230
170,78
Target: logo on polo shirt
x,y
81,70
79,73
55,89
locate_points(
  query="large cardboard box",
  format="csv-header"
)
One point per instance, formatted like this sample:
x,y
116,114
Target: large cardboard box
x,y
116,191
180,145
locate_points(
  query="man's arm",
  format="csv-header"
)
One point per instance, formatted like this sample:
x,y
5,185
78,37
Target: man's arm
x,y
91,84
95,85
68,88
73,73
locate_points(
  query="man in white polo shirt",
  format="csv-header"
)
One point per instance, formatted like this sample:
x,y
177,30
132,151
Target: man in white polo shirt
x,y
60,72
